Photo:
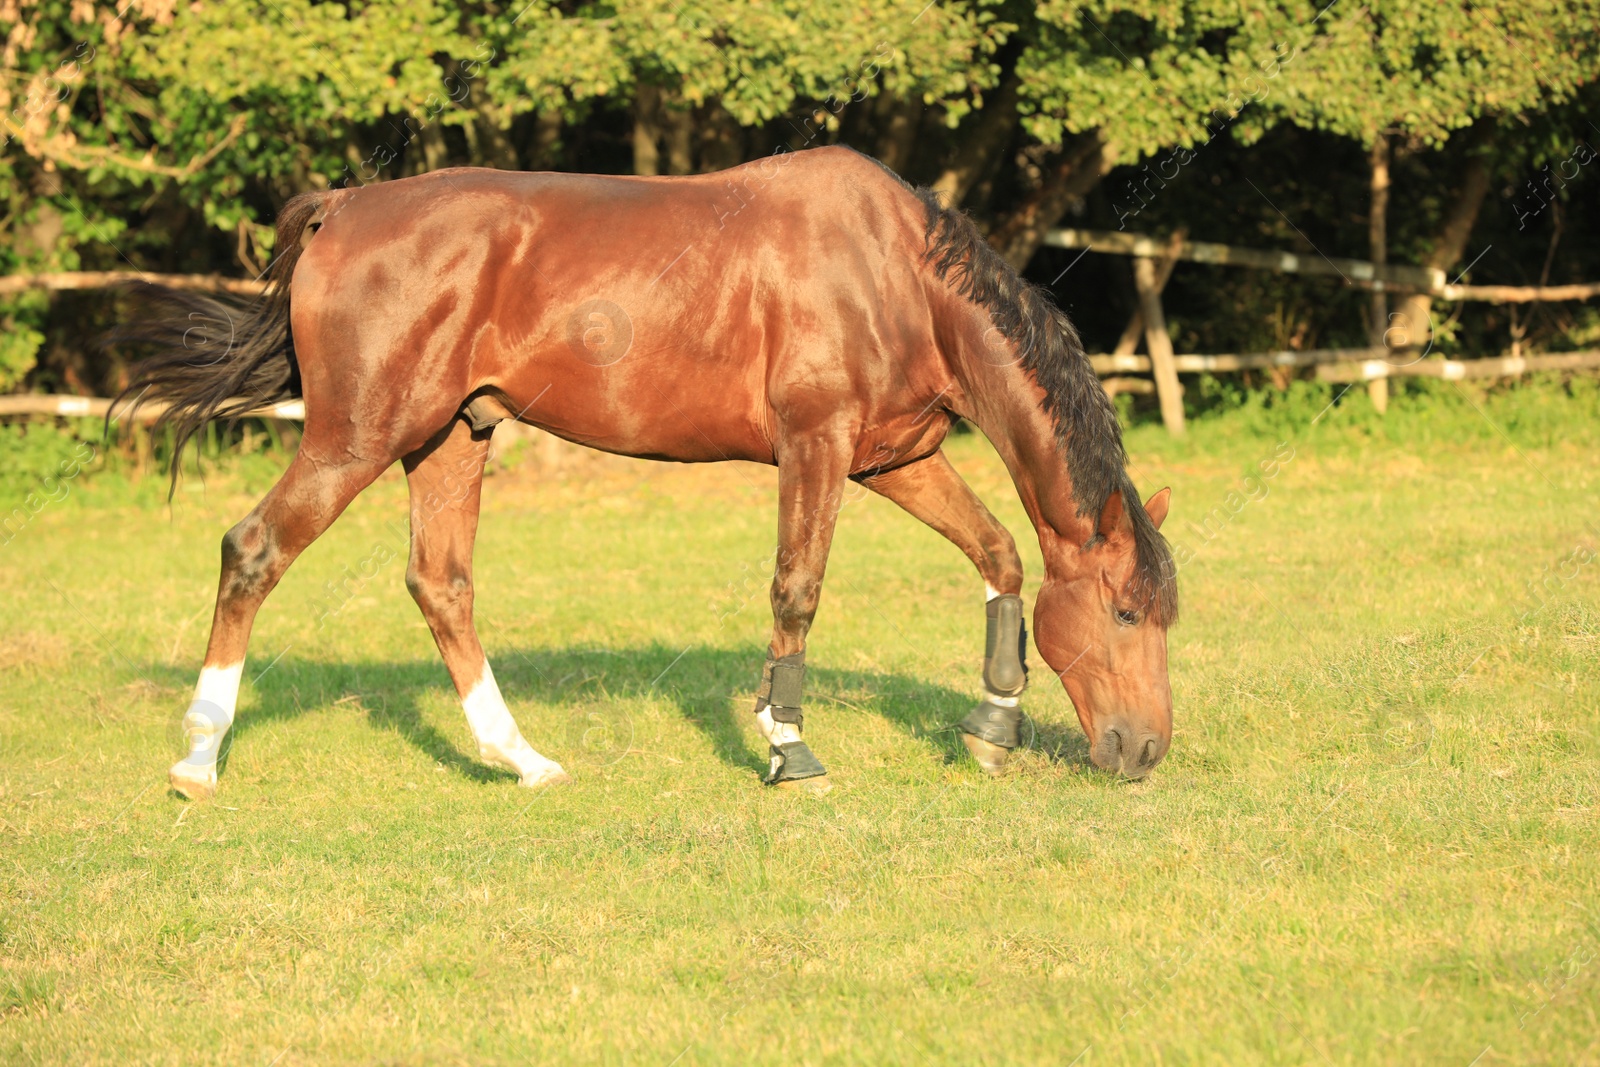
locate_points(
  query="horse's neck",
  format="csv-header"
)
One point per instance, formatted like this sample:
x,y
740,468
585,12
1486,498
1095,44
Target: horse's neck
x,y
1007,408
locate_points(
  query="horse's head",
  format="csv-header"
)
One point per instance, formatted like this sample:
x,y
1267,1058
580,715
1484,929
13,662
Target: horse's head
x,y
1100,622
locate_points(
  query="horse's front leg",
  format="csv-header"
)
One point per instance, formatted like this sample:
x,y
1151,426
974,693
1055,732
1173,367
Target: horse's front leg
x,y
931,490
812,475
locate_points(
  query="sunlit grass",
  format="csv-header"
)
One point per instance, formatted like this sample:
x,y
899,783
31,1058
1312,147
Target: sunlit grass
x,y
1374,839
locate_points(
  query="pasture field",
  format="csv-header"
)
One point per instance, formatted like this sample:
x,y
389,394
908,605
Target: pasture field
x,y
1375,839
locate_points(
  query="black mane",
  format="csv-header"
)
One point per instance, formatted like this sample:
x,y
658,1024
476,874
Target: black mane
x,y
1085,423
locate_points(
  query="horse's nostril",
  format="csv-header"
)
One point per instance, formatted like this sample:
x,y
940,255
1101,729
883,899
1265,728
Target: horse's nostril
x,y
1107,752
1148,756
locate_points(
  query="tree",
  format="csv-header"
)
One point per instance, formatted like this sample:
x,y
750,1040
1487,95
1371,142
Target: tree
x,y
1420,74
165,136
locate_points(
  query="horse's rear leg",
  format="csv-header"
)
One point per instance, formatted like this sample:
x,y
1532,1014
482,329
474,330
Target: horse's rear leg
x,y
446,478
812,473
307,499
931,490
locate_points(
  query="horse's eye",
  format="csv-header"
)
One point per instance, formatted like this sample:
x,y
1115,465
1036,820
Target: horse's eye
x,y
1127,618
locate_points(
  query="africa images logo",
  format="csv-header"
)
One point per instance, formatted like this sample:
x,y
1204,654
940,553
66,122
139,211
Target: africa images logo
x,y
600,332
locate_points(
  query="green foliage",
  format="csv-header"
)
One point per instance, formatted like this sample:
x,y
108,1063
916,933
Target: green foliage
x,y
206,100
757,61
19,348
1541,411
37,458
1158,76
34,451
1148,73
1424,69
165,136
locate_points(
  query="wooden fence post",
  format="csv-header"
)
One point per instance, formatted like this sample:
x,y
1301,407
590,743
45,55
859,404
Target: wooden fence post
x,y
1129,341
1159,344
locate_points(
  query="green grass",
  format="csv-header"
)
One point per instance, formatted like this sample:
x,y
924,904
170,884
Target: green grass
x,y
1374,839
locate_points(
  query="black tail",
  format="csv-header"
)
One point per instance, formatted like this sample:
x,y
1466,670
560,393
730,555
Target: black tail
x,y
213,356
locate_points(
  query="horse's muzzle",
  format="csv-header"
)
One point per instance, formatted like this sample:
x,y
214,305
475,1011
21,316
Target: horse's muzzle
x,y
1123,750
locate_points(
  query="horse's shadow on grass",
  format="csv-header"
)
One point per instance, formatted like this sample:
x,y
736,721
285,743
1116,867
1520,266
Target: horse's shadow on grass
x,y
712,688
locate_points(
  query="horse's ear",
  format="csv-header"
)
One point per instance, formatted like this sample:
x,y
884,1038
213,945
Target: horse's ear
x,y
1114,523
1156,507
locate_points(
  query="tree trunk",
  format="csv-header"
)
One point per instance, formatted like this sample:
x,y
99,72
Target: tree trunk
x,y
494,146
1378,252
435,153
989,136
679,125
897,124
721,139
1079,168
1412,318
540,147
1378,235
646,133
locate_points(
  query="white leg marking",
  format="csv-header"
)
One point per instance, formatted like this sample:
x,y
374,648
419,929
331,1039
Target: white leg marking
x,y
990,592
216,697
500,743
220,685
776,733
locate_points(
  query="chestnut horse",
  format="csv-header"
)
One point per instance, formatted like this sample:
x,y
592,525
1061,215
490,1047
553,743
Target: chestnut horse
x,y
809,310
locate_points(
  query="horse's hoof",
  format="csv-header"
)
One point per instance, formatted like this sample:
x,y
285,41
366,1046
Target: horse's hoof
x,y
794,767
191,783
992,758
551,775
816,786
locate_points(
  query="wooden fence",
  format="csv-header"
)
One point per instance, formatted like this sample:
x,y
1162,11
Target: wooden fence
x,y
1153,262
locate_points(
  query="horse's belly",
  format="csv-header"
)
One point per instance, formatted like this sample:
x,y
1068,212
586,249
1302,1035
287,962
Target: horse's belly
x,y
666,412
685,444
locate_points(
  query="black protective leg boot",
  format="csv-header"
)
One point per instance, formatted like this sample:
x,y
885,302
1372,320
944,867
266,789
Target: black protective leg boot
x,y
994,728
782,695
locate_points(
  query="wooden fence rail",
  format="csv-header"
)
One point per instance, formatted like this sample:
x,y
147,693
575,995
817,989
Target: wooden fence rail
x,y
1332,365
105,279
1456,370
1216,364
1358,272
1347,365
96,407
